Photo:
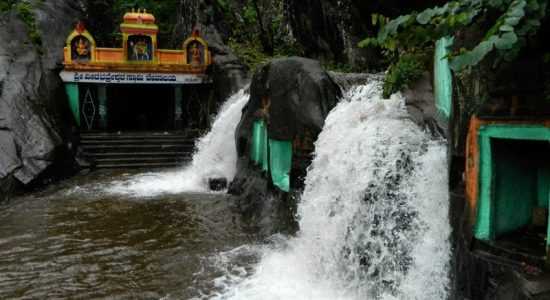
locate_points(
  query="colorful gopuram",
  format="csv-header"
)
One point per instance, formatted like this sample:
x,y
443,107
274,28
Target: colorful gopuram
x,y
137,86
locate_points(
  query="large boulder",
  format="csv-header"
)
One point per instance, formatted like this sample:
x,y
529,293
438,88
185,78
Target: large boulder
x,y
293,96
33,109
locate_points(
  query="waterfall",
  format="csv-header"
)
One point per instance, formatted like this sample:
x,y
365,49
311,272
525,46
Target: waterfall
x,y
373,216
215,156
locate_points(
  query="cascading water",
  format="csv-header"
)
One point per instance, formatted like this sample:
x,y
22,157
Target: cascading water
x,y
215,157
373,216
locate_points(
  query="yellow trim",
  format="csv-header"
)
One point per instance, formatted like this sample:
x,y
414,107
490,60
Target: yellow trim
x,y
85,34
139,26
202,42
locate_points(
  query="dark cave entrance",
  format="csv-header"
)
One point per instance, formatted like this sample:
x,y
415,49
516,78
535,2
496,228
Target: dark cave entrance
x,y
136,107
520,194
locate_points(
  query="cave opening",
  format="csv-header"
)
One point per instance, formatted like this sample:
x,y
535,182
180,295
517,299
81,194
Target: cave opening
x,y
520,194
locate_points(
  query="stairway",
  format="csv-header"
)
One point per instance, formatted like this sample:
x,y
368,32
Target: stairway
x,y
137,149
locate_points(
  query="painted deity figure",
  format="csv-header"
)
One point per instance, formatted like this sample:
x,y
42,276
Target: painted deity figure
x,y
81,47
140,50
195,54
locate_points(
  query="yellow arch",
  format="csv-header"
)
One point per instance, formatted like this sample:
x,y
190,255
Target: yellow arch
x,y
85,34
202,42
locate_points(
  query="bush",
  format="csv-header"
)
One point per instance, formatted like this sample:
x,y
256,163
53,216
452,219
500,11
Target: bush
x,y
405,72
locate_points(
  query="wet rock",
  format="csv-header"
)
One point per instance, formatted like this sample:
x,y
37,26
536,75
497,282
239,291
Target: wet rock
x,y
228,73
293,96
34,114
420,102
295,92
330,31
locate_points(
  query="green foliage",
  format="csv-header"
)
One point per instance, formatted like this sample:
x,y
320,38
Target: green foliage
x,y
5,5
256,32
224,5
518,20
251,53
24,11
405,72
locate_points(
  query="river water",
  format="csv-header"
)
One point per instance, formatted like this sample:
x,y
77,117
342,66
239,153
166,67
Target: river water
x,y
77,241
373,222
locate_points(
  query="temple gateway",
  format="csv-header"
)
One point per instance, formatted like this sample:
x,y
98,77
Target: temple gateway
x,y
137,87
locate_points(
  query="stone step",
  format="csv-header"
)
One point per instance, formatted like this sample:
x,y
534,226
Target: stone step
x,y
124,148
138,165
137,142
137,149
133,160
136,135
99,155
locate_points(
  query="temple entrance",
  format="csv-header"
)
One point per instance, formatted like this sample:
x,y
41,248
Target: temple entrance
x,y
134,107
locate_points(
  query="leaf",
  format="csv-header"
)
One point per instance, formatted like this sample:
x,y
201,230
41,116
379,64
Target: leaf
x,y
479,52
374,19
425,16
382,20
391,27
506,41
493,38
462,18
511,21
367,42
517,10
532,5
470,58
506,27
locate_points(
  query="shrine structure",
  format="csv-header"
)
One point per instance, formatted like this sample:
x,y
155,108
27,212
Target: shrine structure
x,y
137,87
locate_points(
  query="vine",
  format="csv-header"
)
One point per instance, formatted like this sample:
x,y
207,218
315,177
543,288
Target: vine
x,y
517,22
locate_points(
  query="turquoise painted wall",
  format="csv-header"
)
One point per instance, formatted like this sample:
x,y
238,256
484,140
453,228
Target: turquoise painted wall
x,y
258,147
443,81
278,151
71,89
485,227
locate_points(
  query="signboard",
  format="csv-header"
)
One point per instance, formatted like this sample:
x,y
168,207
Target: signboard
x,y
133,78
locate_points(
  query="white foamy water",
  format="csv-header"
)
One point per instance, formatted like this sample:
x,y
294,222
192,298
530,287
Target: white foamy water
x,y
373,216
215,157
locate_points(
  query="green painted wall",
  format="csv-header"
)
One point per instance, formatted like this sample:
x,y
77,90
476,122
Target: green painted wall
x,y
280,160
443,81
71,89
258,149
278,151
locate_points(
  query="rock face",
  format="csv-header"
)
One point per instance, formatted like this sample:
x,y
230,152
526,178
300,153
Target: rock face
x,y
32,100
330,30
293,96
